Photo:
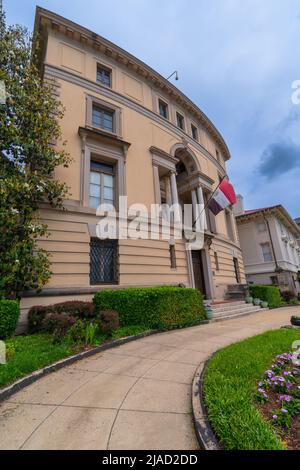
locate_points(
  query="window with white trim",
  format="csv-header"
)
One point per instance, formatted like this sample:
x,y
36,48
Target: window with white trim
x,y
261,226
102,184
266,252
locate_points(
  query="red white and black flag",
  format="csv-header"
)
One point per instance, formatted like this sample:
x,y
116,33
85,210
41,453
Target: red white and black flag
x,y
223,197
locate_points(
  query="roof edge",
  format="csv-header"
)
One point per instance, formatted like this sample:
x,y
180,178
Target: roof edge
x,y
273,209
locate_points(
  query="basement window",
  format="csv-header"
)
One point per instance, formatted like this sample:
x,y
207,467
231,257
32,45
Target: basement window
x,y
172,257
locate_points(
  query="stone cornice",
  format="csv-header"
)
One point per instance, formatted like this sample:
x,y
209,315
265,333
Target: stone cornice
x,y
46,20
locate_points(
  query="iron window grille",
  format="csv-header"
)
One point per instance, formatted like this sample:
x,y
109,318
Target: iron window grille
x,y
103,261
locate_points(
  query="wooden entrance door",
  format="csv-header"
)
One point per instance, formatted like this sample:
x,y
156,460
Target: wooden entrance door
x,y
198,271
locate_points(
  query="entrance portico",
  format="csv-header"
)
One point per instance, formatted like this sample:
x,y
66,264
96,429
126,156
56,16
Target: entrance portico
x,y
178,179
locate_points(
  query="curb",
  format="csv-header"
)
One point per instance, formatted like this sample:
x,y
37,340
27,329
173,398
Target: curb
x,y
38,374
206,438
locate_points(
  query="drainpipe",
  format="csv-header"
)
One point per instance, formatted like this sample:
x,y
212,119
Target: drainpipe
x,y
272,245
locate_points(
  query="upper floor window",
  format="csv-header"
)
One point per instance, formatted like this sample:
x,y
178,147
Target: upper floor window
x,y
194,132
102,182
261,226
266,252
163,109
103,75
180,120
102,118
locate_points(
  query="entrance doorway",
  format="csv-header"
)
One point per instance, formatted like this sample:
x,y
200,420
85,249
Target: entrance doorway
x,y
198,271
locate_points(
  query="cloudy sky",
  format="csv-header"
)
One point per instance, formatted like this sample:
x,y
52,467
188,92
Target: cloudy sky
x,y
237,59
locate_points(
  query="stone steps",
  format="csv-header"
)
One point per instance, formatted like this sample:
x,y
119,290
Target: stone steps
x,y
228,310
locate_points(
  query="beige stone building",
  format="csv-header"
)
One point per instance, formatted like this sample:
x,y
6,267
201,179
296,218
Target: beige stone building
x,y
269,240
130,133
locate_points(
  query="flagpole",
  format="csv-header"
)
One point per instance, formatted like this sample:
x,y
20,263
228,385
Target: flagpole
x,y
207,202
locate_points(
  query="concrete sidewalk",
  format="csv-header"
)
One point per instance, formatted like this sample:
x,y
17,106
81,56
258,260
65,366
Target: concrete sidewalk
x,y
136,396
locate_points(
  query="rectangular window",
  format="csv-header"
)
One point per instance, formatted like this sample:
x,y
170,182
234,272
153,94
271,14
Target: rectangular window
x,y
216,261
266,252
103,261
103,75
102,181
194,132
163,109
172,256
229,224
102,118
180,121
261,226
237,270
274,280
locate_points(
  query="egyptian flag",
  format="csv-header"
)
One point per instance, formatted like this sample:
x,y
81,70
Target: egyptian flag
x,y
222,198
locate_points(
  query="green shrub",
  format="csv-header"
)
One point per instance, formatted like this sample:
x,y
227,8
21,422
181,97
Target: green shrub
x,y
9,316
75,308
83,331
58,324
270,294
153,307
109,320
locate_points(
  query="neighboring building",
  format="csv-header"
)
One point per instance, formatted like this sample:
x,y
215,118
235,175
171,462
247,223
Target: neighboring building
x,y
269,240
130,132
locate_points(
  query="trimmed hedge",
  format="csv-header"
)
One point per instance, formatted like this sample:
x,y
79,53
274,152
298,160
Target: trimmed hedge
x,y
270,294
153,307
9,316
79,309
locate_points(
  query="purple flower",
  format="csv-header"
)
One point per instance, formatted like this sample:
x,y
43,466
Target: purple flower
x,y
283,410
274,416
261,390
260,384
289,385
285,398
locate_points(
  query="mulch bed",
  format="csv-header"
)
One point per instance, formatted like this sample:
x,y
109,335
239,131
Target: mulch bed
x,y
290,436
279,399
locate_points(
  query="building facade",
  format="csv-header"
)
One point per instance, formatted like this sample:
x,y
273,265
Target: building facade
x,y
269,240
130,133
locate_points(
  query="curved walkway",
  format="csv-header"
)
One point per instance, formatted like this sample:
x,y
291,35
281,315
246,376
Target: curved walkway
x,y
136,396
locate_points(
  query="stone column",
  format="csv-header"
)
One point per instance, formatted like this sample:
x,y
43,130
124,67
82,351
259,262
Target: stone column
x,y
195,208
174,196
156,184
202,214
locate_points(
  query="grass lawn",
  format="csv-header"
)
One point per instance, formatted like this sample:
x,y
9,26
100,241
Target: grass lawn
x,y
26,354
230,386
29,353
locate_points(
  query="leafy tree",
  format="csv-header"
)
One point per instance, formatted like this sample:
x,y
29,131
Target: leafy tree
x,y
29,124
